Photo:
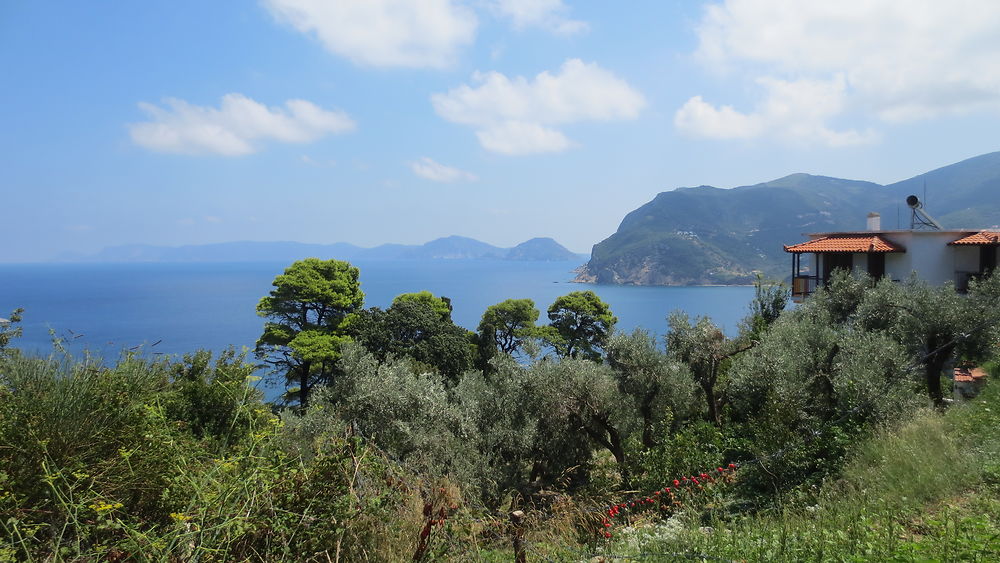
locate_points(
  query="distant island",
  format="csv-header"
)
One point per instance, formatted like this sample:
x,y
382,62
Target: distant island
x,y
446,248
710,236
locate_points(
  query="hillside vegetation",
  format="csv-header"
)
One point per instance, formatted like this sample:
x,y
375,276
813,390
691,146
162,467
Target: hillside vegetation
x,y
708,235
818,433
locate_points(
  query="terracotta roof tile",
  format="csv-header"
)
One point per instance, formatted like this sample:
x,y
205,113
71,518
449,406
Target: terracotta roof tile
x,y
846,243
969,375
980,238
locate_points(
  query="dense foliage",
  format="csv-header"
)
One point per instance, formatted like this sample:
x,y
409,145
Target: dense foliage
x,y
403,450
307,313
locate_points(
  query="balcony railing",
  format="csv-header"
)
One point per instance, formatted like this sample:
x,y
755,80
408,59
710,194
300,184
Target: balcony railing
x,y
803,286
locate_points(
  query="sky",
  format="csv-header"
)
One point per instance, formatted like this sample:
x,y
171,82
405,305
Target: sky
x,y
375,121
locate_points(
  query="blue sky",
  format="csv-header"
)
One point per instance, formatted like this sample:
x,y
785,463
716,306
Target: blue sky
x,y
373,121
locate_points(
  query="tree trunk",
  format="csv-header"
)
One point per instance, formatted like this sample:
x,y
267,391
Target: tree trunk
x,y
827,393
646,410
537,471
713,407
932,374
934,364
612,441
304,385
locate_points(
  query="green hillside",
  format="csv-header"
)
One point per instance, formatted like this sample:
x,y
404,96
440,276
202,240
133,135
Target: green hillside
x,y
707,235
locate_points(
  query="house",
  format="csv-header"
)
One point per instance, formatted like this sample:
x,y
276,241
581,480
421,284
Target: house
x,y
932,253
968,381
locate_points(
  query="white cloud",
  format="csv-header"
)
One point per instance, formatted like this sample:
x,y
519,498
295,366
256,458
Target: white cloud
x,y
886,61
235,128
546,14
514,116
518,137
437,172
383,33
795,111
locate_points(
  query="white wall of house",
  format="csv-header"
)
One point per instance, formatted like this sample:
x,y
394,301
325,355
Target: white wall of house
x,y
928,254
966,258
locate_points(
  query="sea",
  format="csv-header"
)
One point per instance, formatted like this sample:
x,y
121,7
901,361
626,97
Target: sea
x,y
176,308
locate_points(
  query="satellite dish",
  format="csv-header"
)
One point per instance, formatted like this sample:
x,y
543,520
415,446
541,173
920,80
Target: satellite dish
x,y
913,201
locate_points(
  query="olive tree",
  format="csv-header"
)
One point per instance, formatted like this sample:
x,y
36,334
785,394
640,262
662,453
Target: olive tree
x,y
659,386
580,410
935,324
504,411
704,348
809,390
406,413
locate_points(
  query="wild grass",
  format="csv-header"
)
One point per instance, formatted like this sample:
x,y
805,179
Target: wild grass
x,y
924,490
152,460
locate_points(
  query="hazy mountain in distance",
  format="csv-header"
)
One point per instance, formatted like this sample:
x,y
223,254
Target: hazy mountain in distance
x,y
541,249
452,247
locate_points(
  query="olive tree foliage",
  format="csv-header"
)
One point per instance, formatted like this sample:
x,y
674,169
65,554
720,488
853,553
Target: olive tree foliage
x,y
407,414
660,388
505,328
418,330
933,323
842,295
541,425
984,295
307,315
809,386
580,409
770,299
580,325
705,349
504,412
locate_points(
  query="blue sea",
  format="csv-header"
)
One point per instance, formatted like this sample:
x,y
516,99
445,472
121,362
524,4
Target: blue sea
x,y
174,308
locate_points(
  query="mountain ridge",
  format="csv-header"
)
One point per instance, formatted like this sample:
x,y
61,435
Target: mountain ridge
x,y
445,248
706,235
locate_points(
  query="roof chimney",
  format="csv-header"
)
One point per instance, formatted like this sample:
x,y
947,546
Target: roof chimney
x,y
874,222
